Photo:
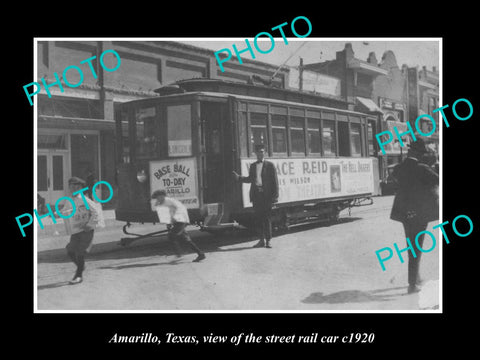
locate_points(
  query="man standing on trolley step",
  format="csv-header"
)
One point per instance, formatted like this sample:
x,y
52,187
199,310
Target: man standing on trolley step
x,y
263,193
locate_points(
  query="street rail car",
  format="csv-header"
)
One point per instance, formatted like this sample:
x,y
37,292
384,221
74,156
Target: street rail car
x,y
188,142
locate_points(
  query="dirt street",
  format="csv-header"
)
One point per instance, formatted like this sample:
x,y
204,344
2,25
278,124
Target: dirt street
x,y
321,267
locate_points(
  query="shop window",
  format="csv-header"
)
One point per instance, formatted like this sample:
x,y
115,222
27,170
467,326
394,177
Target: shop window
x,y
279,134
43,50
51,141
57,170
42,171
84,155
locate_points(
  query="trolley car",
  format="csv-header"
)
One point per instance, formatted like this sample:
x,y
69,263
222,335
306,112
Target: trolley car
x,y
190,138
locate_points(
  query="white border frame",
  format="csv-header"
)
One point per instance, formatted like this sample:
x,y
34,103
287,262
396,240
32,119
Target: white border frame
x,y
35,122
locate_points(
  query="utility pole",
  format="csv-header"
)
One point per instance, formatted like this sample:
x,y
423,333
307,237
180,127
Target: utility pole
x,y
300,75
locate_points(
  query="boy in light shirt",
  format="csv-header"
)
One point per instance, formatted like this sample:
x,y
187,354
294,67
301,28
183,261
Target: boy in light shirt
x,y
81,242
180,220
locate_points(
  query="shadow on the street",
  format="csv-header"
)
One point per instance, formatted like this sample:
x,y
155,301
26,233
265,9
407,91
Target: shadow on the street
x,y
160,246
53,285
353,296
128,266
305,227
149,247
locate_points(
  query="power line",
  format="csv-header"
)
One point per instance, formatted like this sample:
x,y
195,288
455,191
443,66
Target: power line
x,y
278,69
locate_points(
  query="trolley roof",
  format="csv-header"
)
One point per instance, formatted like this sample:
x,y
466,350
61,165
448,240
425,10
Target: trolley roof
x,y
225,96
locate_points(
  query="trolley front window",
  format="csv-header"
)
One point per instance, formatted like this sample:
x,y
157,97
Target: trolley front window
x,y
146,143
179,127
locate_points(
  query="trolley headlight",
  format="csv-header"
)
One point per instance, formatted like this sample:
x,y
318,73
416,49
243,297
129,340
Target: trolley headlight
x,y
141,176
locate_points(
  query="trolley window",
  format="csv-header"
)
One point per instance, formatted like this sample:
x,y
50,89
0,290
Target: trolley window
x,y
329,138
243,132
123,142
297,134
371,133
258,127
146,142
313,135
328,115
279,134
179,127
343,139
355,140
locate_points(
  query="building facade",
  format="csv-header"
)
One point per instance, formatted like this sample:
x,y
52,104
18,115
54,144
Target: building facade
x,y
75,126
76,131
390,94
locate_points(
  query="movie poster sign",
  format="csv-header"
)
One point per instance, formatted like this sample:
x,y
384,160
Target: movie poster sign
x,y
306,179
178,178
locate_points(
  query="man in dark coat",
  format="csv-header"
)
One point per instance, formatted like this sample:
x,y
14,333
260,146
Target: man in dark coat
x,y
415,204
263,193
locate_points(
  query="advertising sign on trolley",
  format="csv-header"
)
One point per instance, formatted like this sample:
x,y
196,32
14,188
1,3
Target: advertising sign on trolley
x,y
178,178
305,179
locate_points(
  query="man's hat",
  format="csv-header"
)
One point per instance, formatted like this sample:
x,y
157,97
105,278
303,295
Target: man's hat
x,y
76,181
158,193
418,146
259,147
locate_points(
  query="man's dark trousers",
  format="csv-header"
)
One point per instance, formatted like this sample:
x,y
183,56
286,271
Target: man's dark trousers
x,y
263,213
412,228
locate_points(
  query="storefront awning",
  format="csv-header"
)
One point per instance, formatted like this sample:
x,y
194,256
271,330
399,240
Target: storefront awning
x,y
426,84
61,122
369,105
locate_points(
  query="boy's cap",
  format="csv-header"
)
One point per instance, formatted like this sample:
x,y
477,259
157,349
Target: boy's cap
x,y
158,193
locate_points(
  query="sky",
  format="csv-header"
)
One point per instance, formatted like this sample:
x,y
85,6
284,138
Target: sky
x,y
411,52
